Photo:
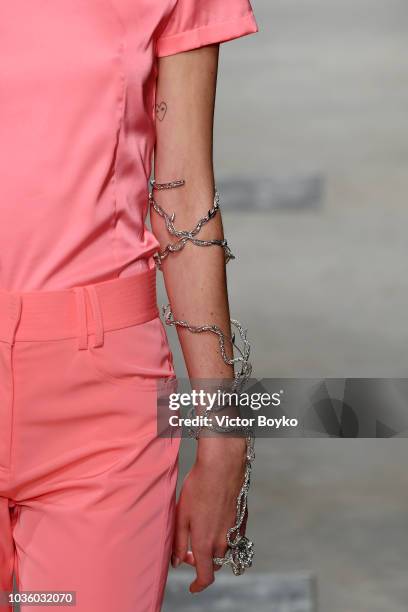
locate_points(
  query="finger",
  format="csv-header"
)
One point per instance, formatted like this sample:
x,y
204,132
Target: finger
x,y
204,570
216,566
219,551
180,541
189,558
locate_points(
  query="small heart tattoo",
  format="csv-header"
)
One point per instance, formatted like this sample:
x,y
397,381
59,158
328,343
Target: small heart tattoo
x,y
161,110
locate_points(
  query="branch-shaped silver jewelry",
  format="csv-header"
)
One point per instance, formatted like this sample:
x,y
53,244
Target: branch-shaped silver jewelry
x,y
245,367
185,236
240,551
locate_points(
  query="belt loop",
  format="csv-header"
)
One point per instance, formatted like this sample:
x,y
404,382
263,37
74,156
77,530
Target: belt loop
x,y
97,315
15,308
82,320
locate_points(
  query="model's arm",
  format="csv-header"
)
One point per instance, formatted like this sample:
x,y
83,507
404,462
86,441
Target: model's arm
x,y
195,281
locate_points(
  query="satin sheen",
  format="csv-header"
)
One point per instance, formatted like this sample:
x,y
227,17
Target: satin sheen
x,y
77,125
87,488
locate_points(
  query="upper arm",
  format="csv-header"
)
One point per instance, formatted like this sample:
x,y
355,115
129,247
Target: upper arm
x,y
187,51
185,99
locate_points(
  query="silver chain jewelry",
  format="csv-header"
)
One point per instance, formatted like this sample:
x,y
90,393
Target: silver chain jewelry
x,y
169,185
185,236
240,551
245,369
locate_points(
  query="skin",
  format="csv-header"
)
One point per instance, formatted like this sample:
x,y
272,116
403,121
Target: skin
x,y
195,280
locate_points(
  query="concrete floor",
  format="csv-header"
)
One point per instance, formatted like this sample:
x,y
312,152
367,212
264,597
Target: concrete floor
x,y
263,592
323,89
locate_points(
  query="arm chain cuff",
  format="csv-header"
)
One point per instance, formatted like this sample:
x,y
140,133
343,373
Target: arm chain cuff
x,y
185,236
245,369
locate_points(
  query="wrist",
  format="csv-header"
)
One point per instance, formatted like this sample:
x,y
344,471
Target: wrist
x,y
219,449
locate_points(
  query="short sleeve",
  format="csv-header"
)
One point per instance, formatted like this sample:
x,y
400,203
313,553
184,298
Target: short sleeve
x,y
195,23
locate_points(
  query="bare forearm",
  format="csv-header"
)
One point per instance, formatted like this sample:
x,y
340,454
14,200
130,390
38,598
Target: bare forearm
x,y
195,277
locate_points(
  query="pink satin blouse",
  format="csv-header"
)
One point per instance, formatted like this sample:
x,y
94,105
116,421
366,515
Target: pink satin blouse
x,y
77,129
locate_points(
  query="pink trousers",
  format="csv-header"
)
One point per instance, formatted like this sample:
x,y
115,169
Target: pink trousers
x,y
87,487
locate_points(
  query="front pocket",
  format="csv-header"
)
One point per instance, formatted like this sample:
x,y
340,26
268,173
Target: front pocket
x,y
135,355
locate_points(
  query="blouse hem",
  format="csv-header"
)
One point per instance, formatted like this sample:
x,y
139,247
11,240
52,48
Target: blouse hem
x,y
206,35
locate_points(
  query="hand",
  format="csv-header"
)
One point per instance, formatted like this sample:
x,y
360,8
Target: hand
x,y
206,507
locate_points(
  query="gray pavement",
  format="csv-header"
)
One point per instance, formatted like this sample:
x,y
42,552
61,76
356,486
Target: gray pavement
x,y
263,592
322,91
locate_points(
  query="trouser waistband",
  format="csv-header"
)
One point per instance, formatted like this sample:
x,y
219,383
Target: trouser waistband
x,y
79,311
